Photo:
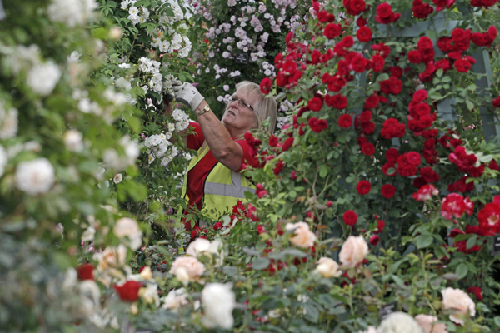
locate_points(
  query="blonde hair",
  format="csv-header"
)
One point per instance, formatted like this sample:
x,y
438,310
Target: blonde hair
x,y
266,107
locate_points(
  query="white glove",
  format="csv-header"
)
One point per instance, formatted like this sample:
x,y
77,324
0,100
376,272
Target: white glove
x,y
186,94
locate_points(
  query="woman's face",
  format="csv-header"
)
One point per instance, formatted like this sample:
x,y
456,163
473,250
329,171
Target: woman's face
x,y
238,116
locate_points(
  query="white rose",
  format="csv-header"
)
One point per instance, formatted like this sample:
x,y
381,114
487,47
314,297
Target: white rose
x,y
187,268
303,237
117,178
150,293
353,251
43,77
73,141
91,295
430,324
218,302
88,234
206,248
127,227
328,267
458,300
174,299
398,322
35,176
8,123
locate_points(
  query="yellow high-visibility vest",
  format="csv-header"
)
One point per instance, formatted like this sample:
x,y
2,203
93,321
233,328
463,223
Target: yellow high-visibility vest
x,y
222,190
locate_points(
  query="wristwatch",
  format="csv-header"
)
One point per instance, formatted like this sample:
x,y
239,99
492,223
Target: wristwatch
x,y
206,108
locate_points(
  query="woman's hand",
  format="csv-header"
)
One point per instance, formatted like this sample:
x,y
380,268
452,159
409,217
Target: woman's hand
x,y
187,94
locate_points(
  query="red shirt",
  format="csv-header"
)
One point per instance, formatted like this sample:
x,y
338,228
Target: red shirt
x,y
197,176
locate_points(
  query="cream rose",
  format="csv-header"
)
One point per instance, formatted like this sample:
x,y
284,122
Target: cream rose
x,y
303,237
458,300
174,299
204,247
353,251
127,227
328,267
398,322
187,268
217,301
430,324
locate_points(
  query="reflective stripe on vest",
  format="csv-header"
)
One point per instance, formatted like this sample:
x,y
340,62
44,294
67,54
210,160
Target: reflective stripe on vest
x,y
235,190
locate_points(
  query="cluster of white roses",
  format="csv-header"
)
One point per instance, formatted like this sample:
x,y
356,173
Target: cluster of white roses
x,y
175,42
245,33
71,12
41,76
155,81
158,146
120,161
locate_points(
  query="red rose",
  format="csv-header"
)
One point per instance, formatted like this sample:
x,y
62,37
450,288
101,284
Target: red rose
x,y
368,149
364,34
462,65
315,104
359,64
85,272
345,121
380,225
350,218
129,291
414,57
217,226
368,127
278,168
413,158
365,116
361,22
496,102
260,229
386,169
476,291
396,71
337,101
288,143
273,141
388,191
377,63
371,102
266,85
429,175
374,240
329,204
391,155
332,30
363,187
293,175
391,86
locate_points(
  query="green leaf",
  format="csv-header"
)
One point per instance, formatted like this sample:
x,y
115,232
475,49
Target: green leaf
x,y
462,270
471,241
259,263
323,171
424,240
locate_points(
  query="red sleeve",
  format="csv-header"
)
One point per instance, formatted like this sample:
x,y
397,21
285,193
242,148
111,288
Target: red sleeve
x,y
195,140
248,159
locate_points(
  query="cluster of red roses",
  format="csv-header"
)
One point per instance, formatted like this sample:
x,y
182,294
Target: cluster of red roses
x,y
385,14
483,3
421,9
240,211
420,117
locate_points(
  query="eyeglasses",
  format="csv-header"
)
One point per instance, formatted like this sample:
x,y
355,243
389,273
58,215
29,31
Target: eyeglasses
x,y
241,103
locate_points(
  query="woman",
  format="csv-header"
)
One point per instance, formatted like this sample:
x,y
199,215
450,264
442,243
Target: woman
x,y
213,182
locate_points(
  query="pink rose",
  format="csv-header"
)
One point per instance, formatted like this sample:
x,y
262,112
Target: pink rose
x,y
458,300
187,268
430,325
303,237
353,251
328,267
